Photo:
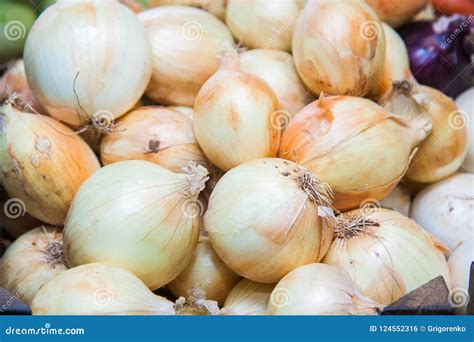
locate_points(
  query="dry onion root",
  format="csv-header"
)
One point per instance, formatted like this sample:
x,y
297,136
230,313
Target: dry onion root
x,y
339,47
104,56
185,42
158,134
236,116
267,217
402,255
358,148
397,13
31,261
137,215
319,289
98,289
207,273
248,298
263,24
42,163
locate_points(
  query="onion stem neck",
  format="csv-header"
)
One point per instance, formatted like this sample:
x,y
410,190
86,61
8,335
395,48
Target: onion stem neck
x,y
348,227
198,175
318,191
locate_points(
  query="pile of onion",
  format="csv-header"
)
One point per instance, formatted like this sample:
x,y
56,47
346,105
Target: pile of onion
x,y
185,42
248,298
268,216
42,163
236,115
139,216
262,23
104,57
158,134
319,289
446,208
358,148
339,47
385,253
278,70
397,13
31,261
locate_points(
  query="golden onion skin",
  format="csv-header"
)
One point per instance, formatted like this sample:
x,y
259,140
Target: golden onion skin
x,y
396,13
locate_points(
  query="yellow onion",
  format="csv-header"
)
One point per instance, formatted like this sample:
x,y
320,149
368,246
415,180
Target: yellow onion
x,y
399,199
157,134
42,163
353,144
236,116
443,152
446,209
339,47
248,298
14,83
98,289
464,104
137,215
103,54
205,272
278,70
263,24
185,42
397,63
319,289
385,253
459,269
397,13
268,216
31,261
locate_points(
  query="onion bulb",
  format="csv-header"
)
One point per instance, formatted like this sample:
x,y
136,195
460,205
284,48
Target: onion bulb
x,y
104,58
185,42
206,272
459,269
399,200
158,134
358,148
31,261
385,253
139,216
263,24
443,152
319,289
42,163
446,209
14,83
248,298
98,289
339,47
397,13
268,216
236,116
278,70
464,103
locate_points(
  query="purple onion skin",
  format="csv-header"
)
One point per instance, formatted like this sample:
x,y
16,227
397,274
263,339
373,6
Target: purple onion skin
x,y
442,58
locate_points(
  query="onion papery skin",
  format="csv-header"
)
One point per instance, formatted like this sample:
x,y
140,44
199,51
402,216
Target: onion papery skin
x,y
319,289
278,70
248,298
396,13
42,163
387,254
263,220
236,116
459,264
157,134
185,43
339,47
205,272
446,209
136,215
31,261
353,144
98,289
261,24
104,55
443,152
